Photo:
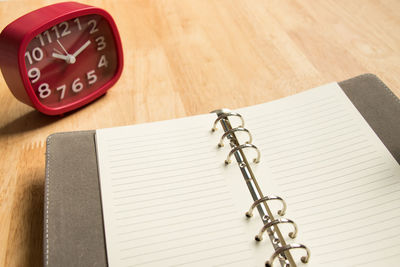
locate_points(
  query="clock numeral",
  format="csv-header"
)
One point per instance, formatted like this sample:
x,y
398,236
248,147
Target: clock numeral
x,y
55,29
34,75
91,77
78,23
77,86
37,55
102,62
65,27
101,44
47,34
40,37
93,24
44,90
62,89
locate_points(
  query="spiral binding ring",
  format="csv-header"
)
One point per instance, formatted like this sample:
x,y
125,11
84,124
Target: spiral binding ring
x,y
256,160
280,250
225,115
281,212
231,131
293,234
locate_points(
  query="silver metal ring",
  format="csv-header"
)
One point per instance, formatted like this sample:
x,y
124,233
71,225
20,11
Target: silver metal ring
x,y
256,160
293,234
281,212
224,116
280,250
231,131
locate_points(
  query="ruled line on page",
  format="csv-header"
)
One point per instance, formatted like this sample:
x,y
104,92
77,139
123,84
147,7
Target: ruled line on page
x,y
156,165
320,155
322,164
310,177
327,228
303,131
194,140
130,173
353,227
365,252
166,183
324,116
387,256
132,162
341,183
132,206
353,212
194,243
326,135
170,149
128,235
292,109
315,149
387,230
360,244
204,250
150,185
167,221
170,188
320,203
182,237
196,212
160,235
160,133
164,177
183,222
175,195
342,207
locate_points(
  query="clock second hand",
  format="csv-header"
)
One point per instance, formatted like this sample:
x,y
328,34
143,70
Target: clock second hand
x,y
70,59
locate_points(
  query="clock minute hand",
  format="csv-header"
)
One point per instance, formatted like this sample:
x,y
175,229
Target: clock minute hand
x,y
83,47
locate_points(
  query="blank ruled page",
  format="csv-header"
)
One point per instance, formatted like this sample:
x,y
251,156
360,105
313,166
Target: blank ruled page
x,y
341,184
165,200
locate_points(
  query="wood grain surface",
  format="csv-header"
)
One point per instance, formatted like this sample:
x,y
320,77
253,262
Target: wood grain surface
x,y
188,57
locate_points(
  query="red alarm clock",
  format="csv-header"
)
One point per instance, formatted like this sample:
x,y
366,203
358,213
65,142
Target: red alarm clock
x,y
61,57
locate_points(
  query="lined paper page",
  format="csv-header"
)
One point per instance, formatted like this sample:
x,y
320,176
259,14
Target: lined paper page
x,y
341,184
165,200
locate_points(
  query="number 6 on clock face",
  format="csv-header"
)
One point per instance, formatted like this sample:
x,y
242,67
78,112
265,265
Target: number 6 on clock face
x,y
71,54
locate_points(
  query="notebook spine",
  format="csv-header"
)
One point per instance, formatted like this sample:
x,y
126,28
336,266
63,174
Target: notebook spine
x,y
271,221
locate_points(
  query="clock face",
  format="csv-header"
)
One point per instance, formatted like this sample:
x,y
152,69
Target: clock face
x,y
71,60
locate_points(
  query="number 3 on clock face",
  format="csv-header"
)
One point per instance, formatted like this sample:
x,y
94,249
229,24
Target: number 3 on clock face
x,y
67,59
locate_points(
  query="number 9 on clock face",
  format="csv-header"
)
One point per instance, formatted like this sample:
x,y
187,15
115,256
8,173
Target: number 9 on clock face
x,y
67,62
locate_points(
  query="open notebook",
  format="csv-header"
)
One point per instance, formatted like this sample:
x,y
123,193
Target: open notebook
x,y
169,199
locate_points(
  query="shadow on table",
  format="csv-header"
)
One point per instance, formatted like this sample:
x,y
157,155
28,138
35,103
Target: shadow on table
x,y
25,242
29,121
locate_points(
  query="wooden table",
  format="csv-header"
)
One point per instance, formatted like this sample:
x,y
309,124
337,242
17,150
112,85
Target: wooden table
x,y
187,57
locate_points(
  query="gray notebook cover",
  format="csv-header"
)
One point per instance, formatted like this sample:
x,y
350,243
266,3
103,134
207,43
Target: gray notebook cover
x,y
73,223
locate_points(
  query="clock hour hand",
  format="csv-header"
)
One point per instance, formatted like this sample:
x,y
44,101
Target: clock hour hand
x,y
70,59
83,47
59,56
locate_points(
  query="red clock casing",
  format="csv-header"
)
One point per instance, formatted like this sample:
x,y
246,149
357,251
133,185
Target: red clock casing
x,y
61,57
